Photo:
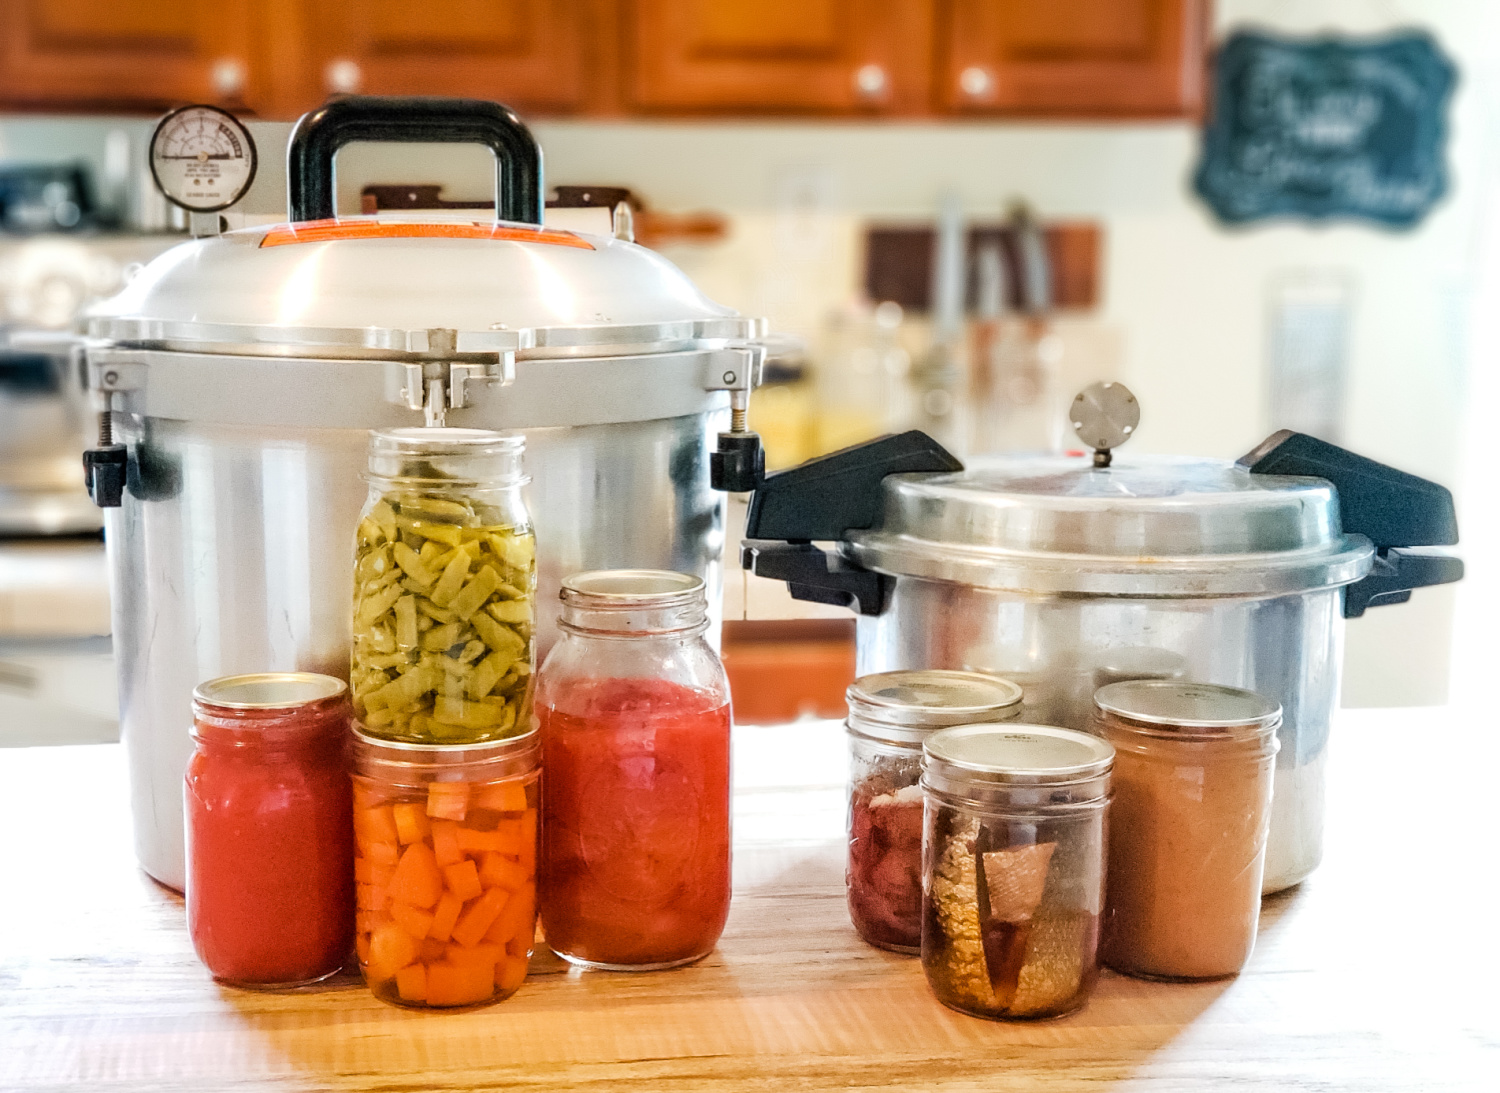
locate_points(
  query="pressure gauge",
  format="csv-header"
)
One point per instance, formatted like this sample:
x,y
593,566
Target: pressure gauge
x,y
202,158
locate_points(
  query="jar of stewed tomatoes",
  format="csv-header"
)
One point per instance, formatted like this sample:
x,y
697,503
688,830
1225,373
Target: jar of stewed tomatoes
x,y
270,883
445,859
634,717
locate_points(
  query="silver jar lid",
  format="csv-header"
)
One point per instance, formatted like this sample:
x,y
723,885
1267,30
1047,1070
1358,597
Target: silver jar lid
x,y
1145,526
904,707
631,602
268,690
1013,755
1180,705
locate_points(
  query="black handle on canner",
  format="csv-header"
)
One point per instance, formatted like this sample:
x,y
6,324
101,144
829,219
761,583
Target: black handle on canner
x,y
1394,510
319,135
822,500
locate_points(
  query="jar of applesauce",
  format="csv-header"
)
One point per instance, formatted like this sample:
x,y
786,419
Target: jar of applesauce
x,y
890,715
1187,845
445,841
444,588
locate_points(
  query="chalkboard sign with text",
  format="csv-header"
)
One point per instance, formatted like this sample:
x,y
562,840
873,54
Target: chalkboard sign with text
x,y
1327,127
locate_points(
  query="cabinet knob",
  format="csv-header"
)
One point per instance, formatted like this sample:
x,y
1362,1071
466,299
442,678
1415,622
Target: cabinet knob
x,y
227,77
976,82
343,76
871,82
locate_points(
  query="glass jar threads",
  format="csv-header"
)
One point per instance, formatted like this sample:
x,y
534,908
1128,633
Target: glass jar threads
x,y
270,880
446,848
1013,867
634,712
444,588
890,715
1192,809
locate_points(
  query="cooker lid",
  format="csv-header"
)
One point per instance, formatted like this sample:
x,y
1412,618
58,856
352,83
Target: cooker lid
x,y
1148,526
376,286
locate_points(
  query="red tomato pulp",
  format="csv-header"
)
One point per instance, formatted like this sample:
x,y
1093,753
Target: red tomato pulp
x,y
270,868
635,821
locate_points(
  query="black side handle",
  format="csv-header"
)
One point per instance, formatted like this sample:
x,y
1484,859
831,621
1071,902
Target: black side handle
x,y
825,497
320,134
823,500
1391,508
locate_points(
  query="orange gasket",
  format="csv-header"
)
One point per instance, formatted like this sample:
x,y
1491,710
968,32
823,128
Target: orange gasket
x,y
323,231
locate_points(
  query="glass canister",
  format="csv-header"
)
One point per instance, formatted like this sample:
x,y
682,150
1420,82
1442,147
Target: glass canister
x,y
634,712
444,589
1015,828
1192,809
890,715
446,841
270,876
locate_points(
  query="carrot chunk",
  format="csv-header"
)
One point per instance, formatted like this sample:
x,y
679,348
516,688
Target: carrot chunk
x,y
416,922
458,984
417,880
505,797
391,949
472,841
480,916
484,953
412,825
382,853
368,871
448,800
431,950
498,871
444,917
521,944
463,880
370,897
411,983
517,919
376,825
510,973
445,844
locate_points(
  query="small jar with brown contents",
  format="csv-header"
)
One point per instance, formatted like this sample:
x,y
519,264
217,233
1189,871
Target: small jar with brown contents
x,y
1013,867
1192,809
890,715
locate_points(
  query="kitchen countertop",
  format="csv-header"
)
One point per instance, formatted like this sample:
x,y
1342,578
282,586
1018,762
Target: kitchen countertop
x,y
1376,974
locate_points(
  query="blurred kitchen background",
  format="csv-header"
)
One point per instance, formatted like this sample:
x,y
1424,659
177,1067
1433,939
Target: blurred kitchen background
x,y
952,212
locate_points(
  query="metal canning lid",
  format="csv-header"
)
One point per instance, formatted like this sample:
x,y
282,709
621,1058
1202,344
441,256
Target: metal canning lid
x,y
630,602
268,690
904,707
1015,754
1145,526
447,455
404,762
1188,705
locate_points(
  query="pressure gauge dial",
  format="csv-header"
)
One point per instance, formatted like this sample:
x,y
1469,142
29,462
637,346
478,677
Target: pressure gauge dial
x,y
202,158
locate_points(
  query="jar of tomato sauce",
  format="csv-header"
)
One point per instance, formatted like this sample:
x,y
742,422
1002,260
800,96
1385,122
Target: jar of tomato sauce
x,y
634,715
446,849
270,871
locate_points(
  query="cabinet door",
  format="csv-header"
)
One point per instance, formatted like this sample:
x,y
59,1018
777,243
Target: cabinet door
x,y
131,54
1103,58
529,54
777,56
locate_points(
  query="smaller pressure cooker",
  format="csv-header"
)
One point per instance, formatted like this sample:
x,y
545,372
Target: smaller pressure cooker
x,y
1064,573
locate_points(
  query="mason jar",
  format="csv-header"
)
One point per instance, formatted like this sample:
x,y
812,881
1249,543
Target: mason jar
x,y
1013,845
444,589
446,849
634,714
1193,776
890,715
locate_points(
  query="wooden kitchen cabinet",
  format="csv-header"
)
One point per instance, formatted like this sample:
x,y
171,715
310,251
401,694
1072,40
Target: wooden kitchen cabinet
x,y
146,54
1089,58
530,54
776,56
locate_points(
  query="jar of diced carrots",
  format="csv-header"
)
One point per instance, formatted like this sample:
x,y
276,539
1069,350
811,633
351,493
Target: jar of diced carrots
x,y
445,867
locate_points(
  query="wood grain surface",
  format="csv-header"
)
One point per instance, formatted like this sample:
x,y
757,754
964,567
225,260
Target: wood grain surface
x,y
1376,974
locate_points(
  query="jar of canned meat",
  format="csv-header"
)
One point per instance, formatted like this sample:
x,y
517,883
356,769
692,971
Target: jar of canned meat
x,y
445,859
270,881
1013,867
890,715
634,713
444,588
1192,811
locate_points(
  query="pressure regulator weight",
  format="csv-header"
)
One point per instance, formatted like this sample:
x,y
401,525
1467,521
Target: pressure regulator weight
x,y
202,158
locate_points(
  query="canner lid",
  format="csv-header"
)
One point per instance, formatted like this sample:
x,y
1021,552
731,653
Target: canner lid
x,y
1150,526
369,286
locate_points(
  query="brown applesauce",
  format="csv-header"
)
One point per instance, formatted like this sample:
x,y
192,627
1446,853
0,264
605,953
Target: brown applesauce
x,y
1192,808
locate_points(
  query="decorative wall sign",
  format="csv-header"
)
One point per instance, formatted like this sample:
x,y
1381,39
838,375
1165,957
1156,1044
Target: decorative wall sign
x,y
1327,127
